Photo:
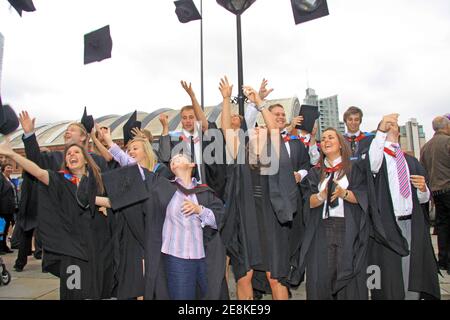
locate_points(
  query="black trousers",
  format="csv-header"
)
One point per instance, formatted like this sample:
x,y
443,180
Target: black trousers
x,y
335,233
442,203
9,219
25,246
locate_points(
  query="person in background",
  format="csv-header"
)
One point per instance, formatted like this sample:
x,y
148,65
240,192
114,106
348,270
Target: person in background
x,y
358,141
435,158
8,202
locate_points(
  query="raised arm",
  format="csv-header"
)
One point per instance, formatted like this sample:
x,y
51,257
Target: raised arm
x,y
100,147
29,138
254,97
27,165
197,108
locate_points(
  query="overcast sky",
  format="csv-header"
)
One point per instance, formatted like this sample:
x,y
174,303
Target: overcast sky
x,y
383,56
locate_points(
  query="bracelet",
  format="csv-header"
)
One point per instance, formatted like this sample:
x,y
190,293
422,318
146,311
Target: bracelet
x,y
261,107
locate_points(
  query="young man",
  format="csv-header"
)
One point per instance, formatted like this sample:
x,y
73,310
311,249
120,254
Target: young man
x,y
192,140
402,248
358,141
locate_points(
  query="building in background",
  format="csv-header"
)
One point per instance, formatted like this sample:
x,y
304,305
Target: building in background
x,y
412,137
2,44
328,108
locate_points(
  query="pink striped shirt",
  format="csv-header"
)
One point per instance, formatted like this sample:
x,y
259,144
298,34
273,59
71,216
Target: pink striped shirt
x,y
182,235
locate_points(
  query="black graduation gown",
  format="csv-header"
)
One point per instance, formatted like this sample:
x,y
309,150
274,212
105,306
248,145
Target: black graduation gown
x,y
300,160
351,277
389,245
162,192
29,207
69,236
248,245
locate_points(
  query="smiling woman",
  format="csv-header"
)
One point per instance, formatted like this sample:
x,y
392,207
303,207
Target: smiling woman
x,y
68,220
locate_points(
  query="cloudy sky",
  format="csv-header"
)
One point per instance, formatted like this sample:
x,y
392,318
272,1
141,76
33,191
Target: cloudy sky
x,y
383,56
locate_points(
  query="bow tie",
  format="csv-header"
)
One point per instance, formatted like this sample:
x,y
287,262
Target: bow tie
x,y
334,169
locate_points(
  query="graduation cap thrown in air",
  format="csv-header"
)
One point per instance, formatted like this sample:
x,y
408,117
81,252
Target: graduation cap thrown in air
x,y
22,5
310,115
186,11
130,124
97,45
124,186
8,119
87,121
307,10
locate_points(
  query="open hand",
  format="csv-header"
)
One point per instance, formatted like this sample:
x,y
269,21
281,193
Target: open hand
x,y
263,91
26,122
225,88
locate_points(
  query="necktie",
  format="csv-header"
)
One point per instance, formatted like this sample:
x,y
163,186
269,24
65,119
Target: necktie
x,y
403,180
353,144
195,173
331,188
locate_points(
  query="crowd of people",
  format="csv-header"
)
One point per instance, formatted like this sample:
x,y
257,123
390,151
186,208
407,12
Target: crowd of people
x,y
348,215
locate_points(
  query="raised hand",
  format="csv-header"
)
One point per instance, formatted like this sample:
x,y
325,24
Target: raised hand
x,y
188,88
106,135
138,133
263,91
388,121
26,122
5,148
252,95
225,88
164,119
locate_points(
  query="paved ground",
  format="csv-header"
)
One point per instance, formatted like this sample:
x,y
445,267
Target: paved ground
x,y
32,284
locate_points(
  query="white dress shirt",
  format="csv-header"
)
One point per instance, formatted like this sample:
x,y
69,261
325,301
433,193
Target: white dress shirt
x,y
197,147
314,154
402,206
337,211
301,172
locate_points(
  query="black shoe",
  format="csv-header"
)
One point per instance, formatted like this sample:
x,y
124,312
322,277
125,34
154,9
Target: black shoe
x,y
7,250
442,266
18,269
38,255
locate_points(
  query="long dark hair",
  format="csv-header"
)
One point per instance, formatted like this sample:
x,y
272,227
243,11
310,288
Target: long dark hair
x,y
90,165
345,155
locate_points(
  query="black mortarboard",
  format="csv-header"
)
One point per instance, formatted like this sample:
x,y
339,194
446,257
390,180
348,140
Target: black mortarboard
x,y
87,121
97,45
186,11
310,115
130,124
124,186
306,10
8,119
22,5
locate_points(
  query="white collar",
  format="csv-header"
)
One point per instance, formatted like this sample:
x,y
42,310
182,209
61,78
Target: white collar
x,y
334,164
356,134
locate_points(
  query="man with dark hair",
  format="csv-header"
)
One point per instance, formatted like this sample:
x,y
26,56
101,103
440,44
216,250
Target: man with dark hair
x,y
358,141
435,157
